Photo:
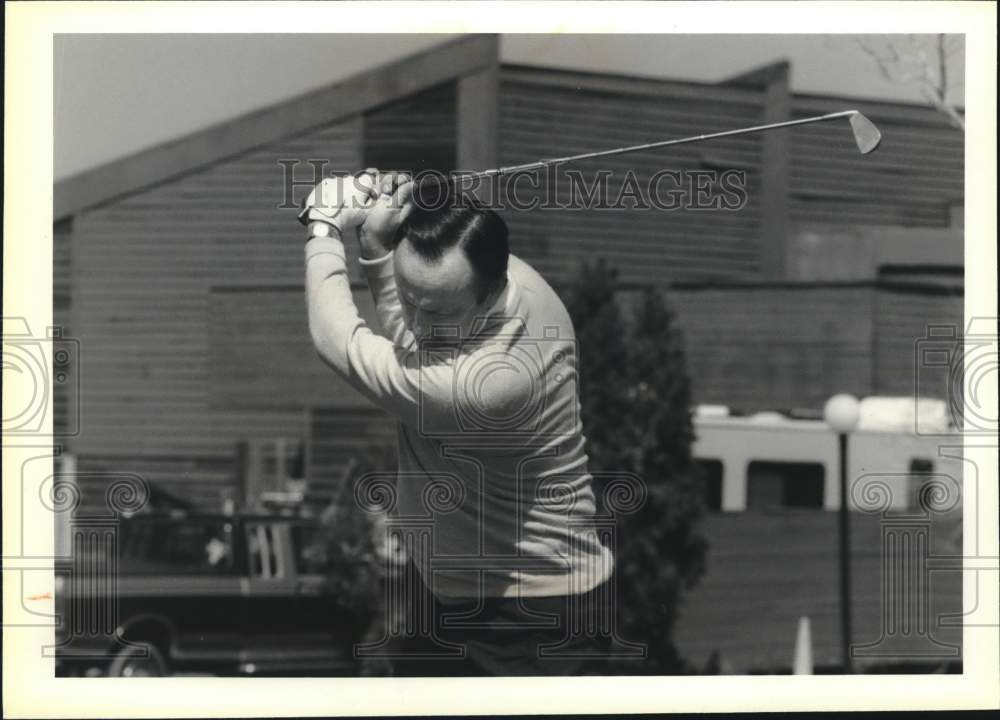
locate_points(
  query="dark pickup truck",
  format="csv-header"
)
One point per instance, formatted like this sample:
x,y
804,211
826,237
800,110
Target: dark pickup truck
x,y
225,595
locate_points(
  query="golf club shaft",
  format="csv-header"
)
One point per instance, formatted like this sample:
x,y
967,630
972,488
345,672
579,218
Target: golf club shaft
x,y
539,164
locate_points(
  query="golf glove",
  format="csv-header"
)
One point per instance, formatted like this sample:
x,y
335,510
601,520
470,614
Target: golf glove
x,y
340,201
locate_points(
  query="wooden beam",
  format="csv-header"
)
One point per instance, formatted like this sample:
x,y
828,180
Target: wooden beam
x,y
761,77
626,85
775,159
733,90
478,121
775,150
321,107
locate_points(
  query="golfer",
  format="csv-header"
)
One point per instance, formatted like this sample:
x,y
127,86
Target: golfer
x,y
478,366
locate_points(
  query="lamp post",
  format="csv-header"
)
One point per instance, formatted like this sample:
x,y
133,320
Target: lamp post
x,y
841,414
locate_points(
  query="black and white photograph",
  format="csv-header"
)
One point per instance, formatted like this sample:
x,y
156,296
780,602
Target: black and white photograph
x,y
365,354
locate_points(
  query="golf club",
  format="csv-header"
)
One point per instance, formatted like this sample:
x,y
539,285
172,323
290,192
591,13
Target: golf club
x,y
866,136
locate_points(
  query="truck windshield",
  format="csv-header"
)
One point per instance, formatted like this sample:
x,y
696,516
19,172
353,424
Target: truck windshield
x,y
176,547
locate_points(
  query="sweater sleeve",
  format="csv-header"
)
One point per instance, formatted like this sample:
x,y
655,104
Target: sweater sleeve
x,y
394,379
380,274
433,390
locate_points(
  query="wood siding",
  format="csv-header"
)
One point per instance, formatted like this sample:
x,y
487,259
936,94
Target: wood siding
x,y
144,269
63,393
189,307
758,347
783,566
915,179
365,436
541,120
174,290
261,356
861,252
912,180
413,134
904,317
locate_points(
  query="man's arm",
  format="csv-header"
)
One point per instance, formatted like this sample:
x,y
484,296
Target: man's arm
x,y
388,376
341,336
428,393
375,237
382,281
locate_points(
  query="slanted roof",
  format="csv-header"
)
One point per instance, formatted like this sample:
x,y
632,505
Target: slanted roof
x,y
342,99
410,75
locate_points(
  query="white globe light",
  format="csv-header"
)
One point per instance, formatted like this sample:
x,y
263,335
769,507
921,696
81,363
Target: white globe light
x,y
841,413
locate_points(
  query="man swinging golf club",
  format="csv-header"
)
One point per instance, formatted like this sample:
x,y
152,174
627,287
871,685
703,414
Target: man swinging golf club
x,y
478,366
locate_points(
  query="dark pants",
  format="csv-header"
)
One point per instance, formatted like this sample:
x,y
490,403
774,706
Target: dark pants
x,y
562,635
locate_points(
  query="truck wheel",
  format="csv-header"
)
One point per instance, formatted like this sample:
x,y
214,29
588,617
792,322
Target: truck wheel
x,y
133,662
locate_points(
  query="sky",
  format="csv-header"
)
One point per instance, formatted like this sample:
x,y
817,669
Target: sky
x,y
115,95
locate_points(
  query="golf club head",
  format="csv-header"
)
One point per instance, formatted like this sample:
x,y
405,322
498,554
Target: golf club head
x,y
866,135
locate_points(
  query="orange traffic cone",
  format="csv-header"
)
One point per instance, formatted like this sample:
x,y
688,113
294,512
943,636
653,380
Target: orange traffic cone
x,y
803,661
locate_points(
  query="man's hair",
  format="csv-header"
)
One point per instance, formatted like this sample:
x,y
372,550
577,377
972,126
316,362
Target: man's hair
x,y
433,228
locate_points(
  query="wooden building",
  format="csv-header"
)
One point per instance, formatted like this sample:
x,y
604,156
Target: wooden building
x,y
179,269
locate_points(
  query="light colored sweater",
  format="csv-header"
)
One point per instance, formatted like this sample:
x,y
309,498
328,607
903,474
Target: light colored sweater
x,y
496,420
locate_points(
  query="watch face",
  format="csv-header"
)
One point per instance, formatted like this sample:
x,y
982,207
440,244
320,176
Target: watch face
x,y
318,229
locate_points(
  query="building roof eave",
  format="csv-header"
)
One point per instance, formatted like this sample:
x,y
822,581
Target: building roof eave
x,y
341,100
734,89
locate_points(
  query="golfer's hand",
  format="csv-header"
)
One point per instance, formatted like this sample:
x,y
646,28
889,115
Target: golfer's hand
x,y
384,217
340,201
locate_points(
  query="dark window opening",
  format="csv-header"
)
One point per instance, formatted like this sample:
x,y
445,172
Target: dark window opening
x,y
920,468
177,548
710,475
784,484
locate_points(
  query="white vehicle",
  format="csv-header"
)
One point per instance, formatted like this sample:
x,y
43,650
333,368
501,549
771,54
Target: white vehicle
x,y
770,459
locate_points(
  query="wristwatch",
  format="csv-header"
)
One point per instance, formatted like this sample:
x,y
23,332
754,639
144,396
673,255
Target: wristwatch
x,y
322,229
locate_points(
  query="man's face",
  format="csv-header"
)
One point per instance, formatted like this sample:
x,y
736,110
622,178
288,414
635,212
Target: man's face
x,y
441,294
